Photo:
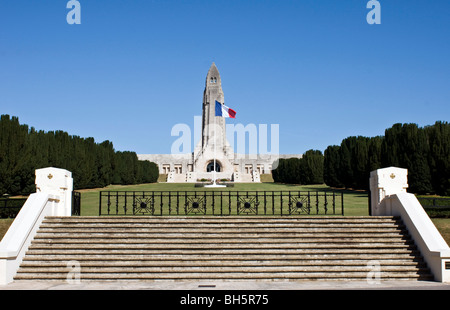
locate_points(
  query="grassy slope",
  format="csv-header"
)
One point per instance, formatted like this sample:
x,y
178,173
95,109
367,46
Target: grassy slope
x,y
443,225
4,225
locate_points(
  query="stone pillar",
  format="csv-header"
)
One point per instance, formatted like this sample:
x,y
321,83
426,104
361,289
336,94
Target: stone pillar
x,y
57,182
385,182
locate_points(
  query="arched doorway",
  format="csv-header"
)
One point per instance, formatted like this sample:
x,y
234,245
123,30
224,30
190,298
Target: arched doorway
x,y
210,166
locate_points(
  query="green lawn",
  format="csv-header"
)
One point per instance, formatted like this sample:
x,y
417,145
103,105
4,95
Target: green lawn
x,y
4,225
443,225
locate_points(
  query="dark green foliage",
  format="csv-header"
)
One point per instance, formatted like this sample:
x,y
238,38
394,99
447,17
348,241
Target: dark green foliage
x,y
23,150
425,152
150,172
288,171
407,147
305,170
439,159
276,172
355,161
332,162
374,156
311,171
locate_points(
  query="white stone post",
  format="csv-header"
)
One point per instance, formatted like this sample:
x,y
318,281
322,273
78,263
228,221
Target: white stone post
x,y
53,197
57,182
389,198
385,182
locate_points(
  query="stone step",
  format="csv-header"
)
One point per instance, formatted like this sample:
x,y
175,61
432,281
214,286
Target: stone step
x,y
254,251
222,246
355,256
231,230
380,225
215,220
217,235
236,233
218,269
245,240
176,262
189,223
363,275
220,219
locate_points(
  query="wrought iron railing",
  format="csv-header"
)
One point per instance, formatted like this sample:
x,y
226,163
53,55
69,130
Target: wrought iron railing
x,y
434,202
220,203
9,207
436,207
76,203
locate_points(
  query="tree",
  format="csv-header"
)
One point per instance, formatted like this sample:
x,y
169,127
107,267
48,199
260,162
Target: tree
x,y
331,167
390,152
150,172
305,170
360,159
374,155
276,172
345,166
439,159
311,167
406,146
14,155
23,150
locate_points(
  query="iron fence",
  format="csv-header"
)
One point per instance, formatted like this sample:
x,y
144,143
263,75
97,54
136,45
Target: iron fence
x,y
220,203
76,203
434,202
436,207
9,207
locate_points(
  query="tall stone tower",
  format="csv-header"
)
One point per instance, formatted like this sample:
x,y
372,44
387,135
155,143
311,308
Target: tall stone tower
x,y
214,142
213,92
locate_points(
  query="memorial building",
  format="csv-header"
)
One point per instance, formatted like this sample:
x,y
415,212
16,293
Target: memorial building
x,y
213,147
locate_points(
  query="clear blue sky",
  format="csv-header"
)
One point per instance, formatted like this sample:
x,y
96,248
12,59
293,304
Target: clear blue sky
x,y
133,69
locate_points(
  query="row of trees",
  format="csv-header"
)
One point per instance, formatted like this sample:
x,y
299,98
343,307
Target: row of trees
x,y
425,152
24,149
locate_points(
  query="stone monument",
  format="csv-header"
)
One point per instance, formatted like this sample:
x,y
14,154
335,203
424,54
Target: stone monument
x,y
213,147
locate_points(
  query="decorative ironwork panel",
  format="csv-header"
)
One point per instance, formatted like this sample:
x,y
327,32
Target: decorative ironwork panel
x,y
299,205
247,205
195,205
144,205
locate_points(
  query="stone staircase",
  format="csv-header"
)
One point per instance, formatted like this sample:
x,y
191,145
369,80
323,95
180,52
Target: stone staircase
x,y
225,248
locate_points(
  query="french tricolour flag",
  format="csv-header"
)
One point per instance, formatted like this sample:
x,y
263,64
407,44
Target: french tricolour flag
x,y
224,111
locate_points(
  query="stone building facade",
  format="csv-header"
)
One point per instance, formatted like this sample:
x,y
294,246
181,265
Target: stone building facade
x,y
213,146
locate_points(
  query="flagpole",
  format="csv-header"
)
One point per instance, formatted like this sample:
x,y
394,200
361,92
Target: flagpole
x,y
215,141
215,161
